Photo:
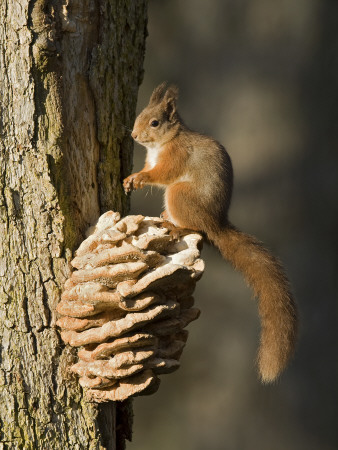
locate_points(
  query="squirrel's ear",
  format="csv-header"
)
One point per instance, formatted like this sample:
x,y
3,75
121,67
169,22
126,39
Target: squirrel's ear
x,y
169,100
158,94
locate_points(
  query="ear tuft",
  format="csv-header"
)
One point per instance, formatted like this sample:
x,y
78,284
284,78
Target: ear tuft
x,y
171,94
166,96
158,94
164,92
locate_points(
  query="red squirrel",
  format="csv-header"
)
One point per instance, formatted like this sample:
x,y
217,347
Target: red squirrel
x,y
196,173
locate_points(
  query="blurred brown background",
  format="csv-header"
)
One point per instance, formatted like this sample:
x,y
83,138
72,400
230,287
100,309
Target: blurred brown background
x,y
260,76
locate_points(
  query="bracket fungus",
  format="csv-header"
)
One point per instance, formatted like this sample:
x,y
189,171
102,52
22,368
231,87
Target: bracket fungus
x,y
127,302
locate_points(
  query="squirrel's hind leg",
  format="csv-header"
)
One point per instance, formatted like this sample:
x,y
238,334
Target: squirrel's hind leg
x,y
185,209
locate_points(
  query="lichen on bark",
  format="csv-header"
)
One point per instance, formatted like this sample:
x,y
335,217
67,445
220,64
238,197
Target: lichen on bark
x,y
69,75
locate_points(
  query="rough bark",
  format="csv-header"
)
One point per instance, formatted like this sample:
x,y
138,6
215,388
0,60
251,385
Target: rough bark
x,y
69,77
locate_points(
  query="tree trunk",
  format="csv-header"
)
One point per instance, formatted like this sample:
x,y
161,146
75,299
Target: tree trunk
x,y
69,78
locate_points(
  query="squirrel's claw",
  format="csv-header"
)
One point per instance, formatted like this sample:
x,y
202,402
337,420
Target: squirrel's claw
x,y
164,215
128,185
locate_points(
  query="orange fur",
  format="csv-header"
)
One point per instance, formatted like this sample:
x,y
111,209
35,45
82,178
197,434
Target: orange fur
x,y
196,172
276,306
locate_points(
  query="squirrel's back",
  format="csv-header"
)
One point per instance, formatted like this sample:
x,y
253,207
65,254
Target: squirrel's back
x,y
209,169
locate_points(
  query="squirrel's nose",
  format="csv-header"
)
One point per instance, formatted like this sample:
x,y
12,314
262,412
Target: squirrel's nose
x,y
134,135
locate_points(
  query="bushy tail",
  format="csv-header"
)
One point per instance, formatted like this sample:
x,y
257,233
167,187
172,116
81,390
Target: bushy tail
x,y
277,309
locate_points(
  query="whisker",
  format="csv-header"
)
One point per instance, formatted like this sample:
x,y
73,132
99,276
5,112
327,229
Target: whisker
x,y
128,129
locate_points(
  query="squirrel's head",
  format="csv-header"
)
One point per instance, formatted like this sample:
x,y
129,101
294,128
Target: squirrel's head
x,y
159,121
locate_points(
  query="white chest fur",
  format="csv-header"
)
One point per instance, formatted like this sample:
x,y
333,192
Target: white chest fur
x,y
153,154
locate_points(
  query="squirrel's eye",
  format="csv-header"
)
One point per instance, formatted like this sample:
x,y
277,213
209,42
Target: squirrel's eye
x,y
154,123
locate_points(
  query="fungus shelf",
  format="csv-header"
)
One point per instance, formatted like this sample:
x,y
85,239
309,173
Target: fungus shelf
x,y
127,303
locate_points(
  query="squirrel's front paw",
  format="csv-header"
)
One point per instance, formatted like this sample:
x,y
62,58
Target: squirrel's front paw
x,y
134,181
128,184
